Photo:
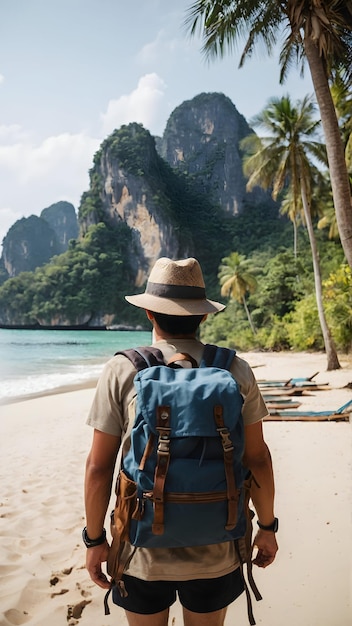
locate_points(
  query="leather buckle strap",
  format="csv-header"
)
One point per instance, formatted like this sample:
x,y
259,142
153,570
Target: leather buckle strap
x,y
162,466
147,451
228,449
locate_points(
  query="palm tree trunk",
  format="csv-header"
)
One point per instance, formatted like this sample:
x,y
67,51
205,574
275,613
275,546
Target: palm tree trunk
x,y
295,238
249,316
333,361
334,147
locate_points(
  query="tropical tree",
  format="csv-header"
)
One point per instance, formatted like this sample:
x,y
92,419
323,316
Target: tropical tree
x,y
236,280
329,220
321,206
288,207
319,32
338,296
328,215
282,159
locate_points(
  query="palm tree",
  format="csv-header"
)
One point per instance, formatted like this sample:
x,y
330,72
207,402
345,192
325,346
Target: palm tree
x,y
321,206
289,207
236,280
319,32
327,214
283,159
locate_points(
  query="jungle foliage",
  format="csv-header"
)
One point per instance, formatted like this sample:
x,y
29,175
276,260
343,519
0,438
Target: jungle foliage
x,y
283,306
201,226
89,278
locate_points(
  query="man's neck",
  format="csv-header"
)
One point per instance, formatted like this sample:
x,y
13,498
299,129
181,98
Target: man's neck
x,y
160,335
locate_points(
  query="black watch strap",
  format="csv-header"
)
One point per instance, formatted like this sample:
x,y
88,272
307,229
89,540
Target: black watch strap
x,y
274,527
91,543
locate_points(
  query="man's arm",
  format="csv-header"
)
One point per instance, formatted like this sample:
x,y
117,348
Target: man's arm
x,y
97,490
257,458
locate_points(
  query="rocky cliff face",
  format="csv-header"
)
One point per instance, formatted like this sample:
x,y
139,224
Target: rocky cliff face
x,y
133,182
129,198
127,185
32,241
202,138
62,218
29,243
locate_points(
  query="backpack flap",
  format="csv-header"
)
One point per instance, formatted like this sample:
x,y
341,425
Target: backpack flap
x,y
192,394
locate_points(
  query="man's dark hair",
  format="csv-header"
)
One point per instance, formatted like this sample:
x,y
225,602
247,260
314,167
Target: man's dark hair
x,y
178,324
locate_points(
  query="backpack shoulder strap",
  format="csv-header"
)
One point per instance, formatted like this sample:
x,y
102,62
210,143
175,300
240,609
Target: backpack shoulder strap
x,y
143,357
217,356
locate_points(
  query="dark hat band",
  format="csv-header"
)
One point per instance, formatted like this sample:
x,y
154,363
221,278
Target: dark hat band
x,y
181,292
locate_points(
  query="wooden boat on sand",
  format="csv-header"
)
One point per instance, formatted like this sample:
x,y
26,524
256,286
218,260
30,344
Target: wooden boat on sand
x,y
343,414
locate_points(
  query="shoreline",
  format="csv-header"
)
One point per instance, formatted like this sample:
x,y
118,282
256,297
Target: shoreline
x,y
87,384
112,327
264,365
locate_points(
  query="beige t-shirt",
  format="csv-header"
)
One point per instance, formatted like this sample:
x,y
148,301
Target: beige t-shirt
x,y
109,414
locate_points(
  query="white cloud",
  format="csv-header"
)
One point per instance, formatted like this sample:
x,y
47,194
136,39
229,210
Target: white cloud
x,y
2,78
33,177
160,48
143,105
62,157
66,156
150,52
12,133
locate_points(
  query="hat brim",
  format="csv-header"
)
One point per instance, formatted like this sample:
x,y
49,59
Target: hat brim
x,y
170,306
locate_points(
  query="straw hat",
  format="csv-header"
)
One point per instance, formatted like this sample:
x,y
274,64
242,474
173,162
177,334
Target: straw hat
x,y
176,288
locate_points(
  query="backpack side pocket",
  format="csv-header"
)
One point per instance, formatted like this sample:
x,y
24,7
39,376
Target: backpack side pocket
x,y
126,502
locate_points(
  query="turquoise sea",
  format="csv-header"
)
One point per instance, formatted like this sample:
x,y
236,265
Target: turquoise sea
x,y
36,361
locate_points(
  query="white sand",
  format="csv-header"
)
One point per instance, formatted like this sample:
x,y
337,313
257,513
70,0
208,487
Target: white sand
x,y
44,447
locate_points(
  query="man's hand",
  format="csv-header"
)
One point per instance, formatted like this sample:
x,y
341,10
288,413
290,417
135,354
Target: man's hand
x,y
94,558
267,546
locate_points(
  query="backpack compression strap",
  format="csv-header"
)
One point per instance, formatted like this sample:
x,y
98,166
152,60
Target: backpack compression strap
x,y
217,356
233,493
143,357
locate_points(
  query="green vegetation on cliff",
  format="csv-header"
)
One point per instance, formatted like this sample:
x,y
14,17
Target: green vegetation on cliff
x,y
202,228
89,279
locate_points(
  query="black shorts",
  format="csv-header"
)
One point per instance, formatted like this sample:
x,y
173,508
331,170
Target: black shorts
x,y
199,596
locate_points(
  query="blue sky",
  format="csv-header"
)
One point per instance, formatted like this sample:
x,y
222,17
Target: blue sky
x,y
71,71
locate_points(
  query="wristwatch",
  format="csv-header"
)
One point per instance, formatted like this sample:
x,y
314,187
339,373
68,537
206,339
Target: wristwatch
x,y
274,527
91,543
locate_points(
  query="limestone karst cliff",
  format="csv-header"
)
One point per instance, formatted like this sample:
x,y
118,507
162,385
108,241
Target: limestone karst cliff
x,y
62,218
33,241
202,138
138,180
131,183
29,243
127,185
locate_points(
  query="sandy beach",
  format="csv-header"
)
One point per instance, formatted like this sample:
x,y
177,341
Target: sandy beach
x,y
44,446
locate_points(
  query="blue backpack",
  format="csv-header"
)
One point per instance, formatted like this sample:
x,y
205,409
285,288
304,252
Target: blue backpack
x,y
182,482
186,453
